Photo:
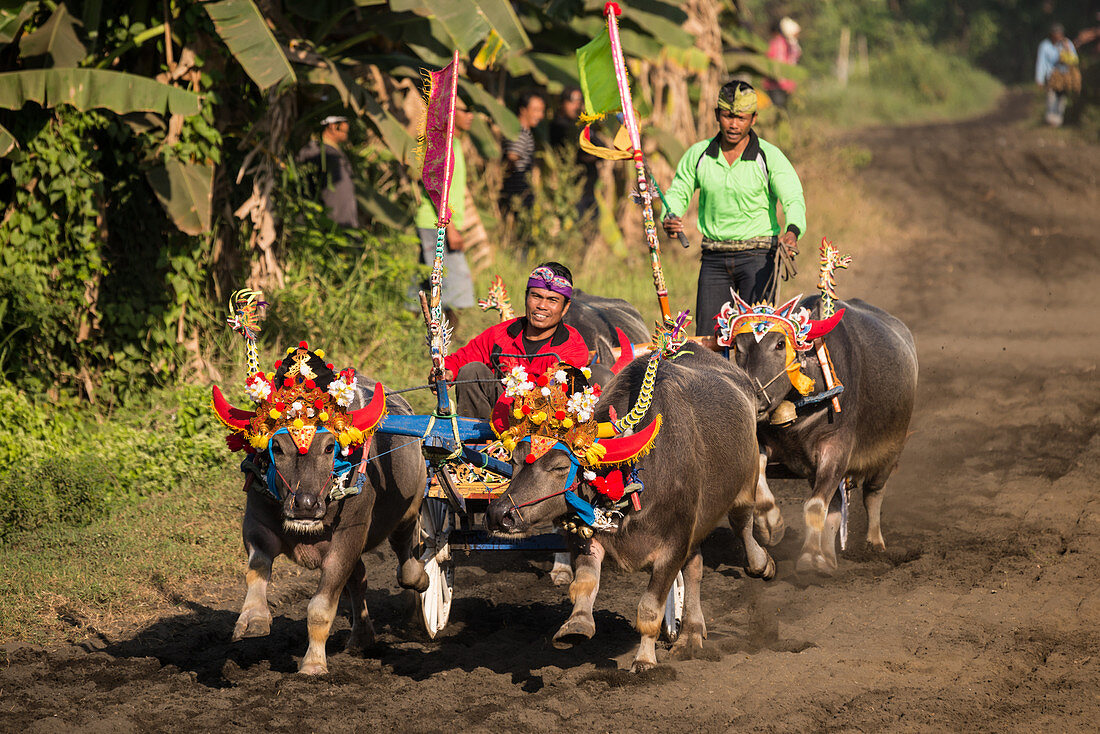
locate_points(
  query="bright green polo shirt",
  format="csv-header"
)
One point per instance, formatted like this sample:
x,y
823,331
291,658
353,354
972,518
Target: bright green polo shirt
x,y
735,202
426,217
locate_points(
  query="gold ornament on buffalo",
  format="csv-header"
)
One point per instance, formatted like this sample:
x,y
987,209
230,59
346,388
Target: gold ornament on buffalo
x,y
297,403
550,408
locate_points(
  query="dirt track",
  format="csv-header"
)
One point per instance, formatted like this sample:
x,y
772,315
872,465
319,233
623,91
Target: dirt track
x,y
984,615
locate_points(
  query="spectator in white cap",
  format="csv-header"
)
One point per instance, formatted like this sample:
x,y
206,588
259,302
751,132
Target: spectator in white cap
x,y
334,182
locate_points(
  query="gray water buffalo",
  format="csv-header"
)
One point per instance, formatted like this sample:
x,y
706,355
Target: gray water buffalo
x,y
295,505
875,359
702,467
597,318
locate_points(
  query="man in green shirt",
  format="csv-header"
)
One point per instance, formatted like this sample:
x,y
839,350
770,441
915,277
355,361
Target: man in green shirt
x,y
740,178
458,286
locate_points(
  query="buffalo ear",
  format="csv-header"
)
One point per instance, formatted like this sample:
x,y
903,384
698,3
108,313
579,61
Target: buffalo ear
x,y
233,418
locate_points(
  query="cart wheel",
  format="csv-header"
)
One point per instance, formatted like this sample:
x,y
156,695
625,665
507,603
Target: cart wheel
x,y
674,609
436,523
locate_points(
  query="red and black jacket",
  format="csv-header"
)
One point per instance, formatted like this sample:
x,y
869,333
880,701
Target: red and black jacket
x,y
506,338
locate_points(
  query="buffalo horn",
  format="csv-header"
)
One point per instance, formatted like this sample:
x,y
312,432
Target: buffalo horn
x,y
234,418
626,352
824,326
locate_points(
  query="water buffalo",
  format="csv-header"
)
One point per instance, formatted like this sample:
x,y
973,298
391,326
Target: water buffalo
x,y
702,467
597,318
874,357
294,506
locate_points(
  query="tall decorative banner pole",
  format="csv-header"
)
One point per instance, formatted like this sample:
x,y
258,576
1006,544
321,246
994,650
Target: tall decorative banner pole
x,y
438,140
612,11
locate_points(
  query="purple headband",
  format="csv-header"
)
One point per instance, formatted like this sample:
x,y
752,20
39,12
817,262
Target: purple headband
x,y
546,278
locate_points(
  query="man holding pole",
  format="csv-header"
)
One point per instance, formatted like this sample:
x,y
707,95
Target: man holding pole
x,y
536,341
740,178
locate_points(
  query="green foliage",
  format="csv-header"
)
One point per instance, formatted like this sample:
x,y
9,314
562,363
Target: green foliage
x,y
97,288
60,489
62,465
552,224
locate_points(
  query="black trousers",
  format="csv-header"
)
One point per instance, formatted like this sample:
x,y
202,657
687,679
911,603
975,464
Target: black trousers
x,y
750,273
476,400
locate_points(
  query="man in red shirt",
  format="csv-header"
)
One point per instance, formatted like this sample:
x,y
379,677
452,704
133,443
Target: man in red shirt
x,y
537,341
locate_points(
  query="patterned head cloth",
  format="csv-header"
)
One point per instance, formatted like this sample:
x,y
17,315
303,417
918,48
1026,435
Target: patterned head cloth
x,y
544,277
738,98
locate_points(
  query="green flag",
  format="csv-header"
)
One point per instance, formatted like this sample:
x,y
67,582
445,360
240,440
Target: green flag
x,y
597,74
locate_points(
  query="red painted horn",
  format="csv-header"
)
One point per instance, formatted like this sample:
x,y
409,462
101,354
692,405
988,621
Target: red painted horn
x,y
234,418
626,352
823,327
365,419
623,449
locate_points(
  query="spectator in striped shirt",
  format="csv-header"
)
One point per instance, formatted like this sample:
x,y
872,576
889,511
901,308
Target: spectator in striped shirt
x,y
519,155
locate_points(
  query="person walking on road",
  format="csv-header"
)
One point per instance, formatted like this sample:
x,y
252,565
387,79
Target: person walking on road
x,y
783,47
1058,71
740,177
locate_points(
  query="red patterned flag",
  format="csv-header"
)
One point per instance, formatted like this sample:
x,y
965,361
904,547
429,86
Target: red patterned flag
x,y
438,133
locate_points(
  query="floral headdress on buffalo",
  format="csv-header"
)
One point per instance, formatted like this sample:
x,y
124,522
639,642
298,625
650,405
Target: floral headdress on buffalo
x,y
303,395
738,317
557,409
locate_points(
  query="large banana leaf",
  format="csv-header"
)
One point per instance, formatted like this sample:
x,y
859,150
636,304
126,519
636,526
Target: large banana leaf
x,y
57,38
658,19
468,22
502,18
353,95
12,19
498,113
185,190
382,209
762,65
87,89
553,71
242,27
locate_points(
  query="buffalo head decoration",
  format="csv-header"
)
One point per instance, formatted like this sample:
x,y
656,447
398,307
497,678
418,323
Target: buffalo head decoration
x,y
303,395
738,317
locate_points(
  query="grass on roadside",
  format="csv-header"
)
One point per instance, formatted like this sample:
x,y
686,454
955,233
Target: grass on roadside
x,y
910,84
63,583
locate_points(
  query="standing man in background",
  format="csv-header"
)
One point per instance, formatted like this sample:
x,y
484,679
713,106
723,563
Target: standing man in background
x,y
563,136
334,181
740,178
458,286
519,154
1058,71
